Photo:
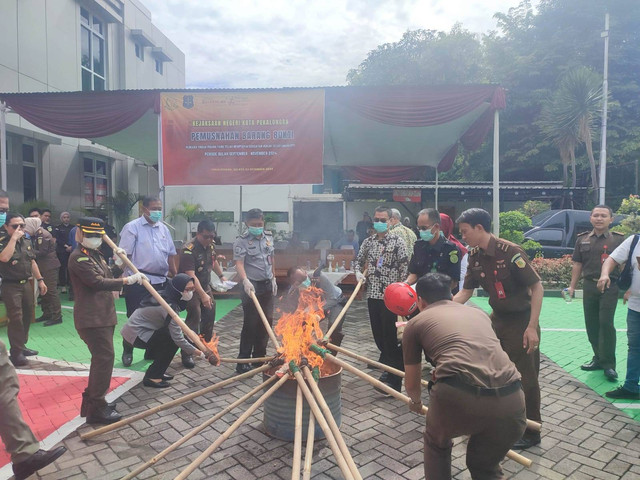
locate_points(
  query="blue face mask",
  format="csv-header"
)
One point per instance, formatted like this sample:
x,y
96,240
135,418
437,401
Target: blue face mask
x,y
306,283
380,227
426,235
155,215
3,218
256,231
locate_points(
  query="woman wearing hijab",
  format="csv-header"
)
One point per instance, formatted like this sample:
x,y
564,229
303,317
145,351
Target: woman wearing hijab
x,y
150,327
44,246
447,230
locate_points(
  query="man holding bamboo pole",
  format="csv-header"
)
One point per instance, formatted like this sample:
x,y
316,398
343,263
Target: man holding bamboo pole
x,y
476,389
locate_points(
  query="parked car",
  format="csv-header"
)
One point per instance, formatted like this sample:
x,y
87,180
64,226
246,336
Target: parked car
x,y
557,230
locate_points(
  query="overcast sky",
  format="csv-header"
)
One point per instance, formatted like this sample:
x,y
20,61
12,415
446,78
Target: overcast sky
x,y
291,43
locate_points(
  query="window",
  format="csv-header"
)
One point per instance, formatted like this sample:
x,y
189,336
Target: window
x,y
139,51
159,66
92,52
29,173
95,182
548,236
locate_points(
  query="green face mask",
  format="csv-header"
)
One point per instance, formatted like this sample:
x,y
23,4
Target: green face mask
x,y
306,283
256,231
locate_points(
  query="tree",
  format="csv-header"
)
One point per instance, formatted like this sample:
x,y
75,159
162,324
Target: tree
x,y
187,211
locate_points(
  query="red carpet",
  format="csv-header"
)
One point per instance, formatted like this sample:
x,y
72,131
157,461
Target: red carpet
x,y
49,401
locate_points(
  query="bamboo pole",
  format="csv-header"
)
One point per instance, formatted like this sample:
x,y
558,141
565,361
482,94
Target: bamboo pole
x,y
297,439
172,403
331,421
342,463
197,430
246,360
522,460
308,456
267,327
338,319
227,433
379,365
193,336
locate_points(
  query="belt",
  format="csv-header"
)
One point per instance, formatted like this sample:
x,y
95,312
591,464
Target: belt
x,y
455,382
262,282
163,275
6,280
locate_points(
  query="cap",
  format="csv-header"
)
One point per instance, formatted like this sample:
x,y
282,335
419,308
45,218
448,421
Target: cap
x,y
91,225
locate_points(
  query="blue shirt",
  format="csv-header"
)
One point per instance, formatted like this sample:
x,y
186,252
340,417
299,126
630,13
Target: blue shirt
x,y
149,247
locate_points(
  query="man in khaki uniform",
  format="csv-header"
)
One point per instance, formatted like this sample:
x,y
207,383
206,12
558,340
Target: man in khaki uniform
x,y
476,388
503,270
197,259
17,265
94,314
591,250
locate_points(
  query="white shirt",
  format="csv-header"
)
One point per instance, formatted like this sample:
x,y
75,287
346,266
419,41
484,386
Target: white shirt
x,y
621,255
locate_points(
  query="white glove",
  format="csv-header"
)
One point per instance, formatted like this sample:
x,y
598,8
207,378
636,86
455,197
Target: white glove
x,y
360,276
274,286
117,260
248,286
116,257
120,251
136,278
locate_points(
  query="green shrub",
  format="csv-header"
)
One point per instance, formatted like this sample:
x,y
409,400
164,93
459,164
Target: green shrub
x,y
630,205
531,208
628,226
512,236
533,248
514,221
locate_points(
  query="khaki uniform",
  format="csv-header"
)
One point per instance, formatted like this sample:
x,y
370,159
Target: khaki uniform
x,y
504,272
17,292
94,315
45,248
199,259
477,389
599,308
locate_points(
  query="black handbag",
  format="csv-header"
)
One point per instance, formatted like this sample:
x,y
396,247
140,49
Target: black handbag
x,y
624,280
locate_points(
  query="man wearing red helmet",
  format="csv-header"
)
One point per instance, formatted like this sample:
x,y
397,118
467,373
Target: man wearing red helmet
x,y
476,389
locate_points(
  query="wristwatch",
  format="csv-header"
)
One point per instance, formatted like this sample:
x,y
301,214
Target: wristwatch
x,y
39,279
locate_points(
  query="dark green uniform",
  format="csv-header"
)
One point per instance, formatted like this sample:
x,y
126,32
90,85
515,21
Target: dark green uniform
x,y
599,308
504,272
17,291
199,259
443,257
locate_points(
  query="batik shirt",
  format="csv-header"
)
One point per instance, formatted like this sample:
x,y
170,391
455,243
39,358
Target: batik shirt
x,y
386,259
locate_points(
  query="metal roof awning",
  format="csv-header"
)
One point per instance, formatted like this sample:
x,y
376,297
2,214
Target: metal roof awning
x,y
142,38
522,185
160,54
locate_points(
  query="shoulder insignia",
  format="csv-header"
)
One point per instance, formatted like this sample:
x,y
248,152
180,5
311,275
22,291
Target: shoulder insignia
x,y
473,250
582,233
502,246
188,246
618,233
453,256
519,261
267,232
82,259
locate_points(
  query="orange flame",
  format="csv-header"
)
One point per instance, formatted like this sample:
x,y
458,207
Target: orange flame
x,y
300,329
213,346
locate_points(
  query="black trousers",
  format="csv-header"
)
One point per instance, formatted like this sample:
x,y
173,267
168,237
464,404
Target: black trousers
x,y
385,334
163,348
133,295
254,337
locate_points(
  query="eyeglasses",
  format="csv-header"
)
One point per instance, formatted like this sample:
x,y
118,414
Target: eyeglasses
x,y
381,220
208,237
18,225
4,210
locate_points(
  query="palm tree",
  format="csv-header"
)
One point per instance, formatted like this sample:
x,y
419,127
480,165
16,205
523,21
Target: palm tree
x,y
187,211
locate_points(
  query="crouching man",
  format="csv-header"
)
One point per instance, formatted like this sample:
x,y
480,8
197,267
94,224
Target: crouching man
x,y
476,389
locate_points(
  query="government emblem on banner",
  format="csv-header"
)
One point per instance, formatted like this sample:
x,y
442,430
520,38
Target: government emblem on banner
x,y
187,101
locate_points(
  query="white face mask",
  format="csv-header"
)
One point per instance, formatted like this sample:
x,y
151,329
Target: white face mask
x,y
92,243
186,296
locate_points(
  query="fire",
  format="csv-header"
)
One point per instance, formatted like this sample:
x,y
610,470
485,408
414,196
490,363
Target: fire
x,y
213,346
300,329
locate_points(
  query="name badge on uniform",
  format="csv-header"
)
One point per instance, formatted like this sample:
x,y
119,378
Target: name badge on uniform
x,y
604,255
499,287
380,260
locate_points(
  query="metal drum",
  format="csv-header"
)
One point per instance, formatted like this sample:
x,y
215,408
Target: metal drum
x,y
280,408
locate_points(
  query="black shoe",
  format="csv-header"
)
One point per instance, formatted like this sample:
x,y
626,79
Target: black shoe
x,y
187,361
167,377
243,368
103,416
84,406
36,462
19,360
623,393
529,439
48,323
42,318
127,359
384,378
611,374
147,382
27,352
591,366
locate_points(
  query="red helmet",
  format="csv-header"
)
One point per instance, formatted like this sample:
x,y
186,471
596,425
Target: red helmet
x,y
400,298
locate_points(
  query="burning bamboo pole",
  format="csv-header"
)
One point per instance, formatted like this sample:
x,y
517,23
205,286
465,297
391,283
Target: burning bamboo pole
x,y
267,327
227,433
308,456
190,334
338,319
342,463
331,421
326,354
197,430
247,360
297,440
366,360
172,403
